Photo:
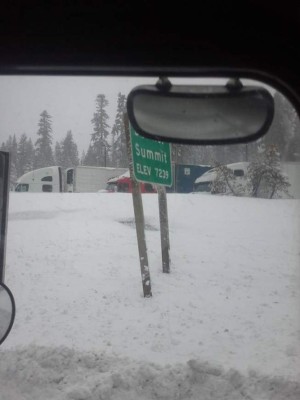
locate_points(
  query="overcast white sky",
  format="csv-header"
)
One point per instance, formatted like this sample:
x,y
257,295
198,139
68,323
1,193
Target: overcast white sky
x,y
69,100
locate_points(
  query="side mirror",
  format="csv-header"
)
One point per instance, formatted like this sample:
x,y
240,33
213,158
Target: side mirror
x,y
204,115
7,311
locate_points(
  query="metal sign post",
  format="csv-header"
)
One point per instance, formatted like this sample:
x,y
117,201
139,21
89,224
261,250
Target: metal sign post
x,y
139,218
152,163
164,228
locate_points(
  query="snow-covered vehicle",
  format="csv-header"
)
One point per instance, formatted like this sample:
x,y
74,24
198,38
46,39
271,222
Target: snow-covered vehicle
x,y
48,179
204,182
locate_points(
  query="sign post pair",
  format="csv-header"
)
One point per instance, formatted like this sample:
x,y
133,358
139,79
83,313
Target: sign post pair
x,y
149,161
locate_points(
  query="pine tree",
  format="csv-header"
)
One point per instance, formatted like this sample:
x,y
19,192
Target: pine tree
x,y
90,157
58,156
69,151
25,160
14,160
43,151
119,148
99,148
11,146
83,155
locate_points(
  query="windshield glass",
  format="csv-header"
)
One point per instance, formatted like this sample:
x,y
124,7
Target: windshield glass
x,y
224,322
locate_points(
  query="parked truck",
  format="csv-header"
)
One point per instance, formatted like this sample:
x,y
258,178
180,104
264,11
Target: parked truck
x,y
56,179
90,179
184,176
203,182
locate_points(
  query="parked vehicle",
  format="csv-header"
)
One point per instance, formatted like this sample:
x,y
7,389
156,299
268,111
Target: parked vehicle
x,y
184,176
123,183
55,179
89,179
49,179
203,182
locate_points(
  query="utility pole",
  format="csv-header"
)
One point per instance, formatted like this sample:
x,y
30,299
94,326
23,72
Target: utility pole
x,y
164,228
139,218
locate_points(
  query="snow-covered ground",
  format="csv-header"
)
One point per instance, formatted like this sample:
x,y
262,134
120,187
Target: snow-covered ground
x,y
224,324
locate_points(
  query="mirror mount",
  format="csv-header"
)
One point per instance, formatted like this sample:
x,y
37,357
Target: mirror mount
x,y
234,85
163,84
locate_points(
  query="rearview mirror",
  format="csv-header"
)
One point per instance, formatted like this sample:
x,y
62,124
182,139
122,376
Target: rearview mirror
x,y
7,311
201,114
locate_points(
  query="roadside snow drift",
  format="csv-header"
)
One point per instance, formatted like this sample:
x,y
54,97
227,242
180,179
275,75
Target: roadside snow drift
x,y
225,323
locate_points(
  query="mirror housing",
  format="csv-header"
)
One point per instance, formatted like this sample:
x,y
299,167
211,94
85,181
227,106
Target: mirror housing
x,y
7,311
203,115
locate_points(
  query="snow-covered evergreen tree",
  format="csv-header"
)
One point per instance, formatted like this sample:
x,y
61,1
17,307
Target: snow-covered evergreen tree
x,y
118,148
69,151
83,155
12,147
58,157
14,160
90,157
99,148
25,161
43,150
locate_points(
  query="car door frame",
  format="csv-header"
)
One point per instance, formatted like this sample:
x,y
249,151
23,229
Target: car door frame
x,y
4,191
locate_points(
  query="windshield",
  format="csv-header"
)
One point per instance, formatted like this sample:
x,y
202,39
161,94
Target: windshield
x,y
224,322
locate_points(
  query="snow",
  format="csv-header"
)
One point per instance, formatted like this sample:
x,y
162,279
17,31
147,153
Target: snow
x,y
224,324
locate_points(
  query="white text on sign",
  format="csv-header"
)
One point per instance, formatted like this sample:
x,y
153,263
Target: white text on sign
x,y
143,169
160,156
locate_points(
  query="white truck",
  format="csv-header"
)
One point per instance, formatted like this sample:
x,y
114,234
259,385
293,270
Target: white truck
x,y
203,183
55,179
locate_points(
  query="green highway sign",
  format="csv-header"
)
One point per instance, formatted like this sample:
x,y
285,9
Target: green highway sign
x,y
151,160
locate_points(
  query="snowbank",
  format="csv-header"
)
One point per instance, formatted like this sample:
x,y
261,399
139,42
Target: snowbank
x,y
61,373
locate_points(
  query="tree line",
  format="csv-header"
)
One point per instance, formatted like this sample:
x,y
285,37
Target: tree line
x,y
108,146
